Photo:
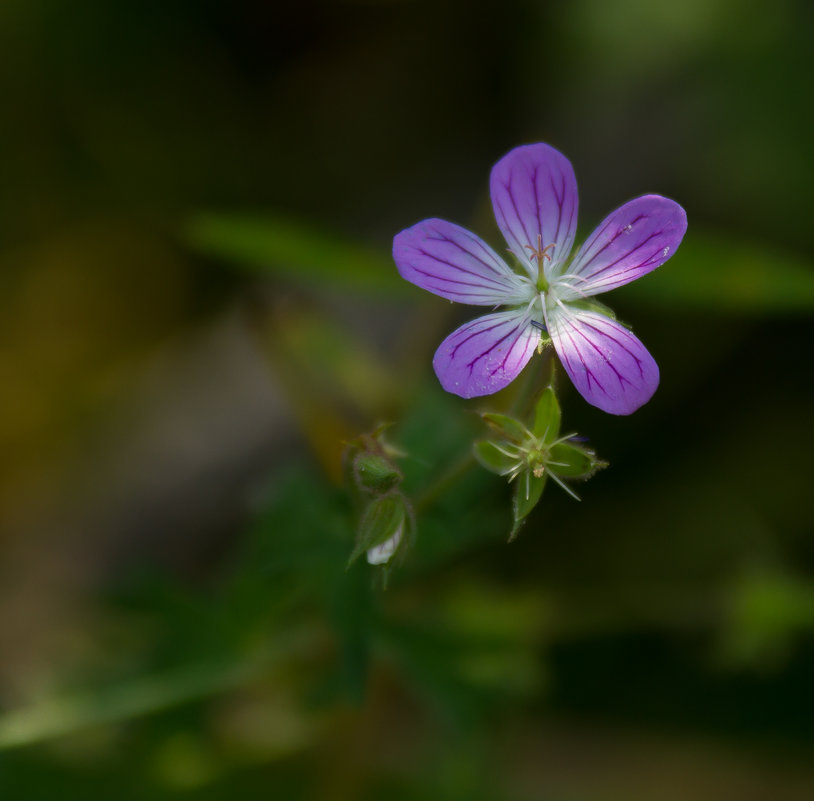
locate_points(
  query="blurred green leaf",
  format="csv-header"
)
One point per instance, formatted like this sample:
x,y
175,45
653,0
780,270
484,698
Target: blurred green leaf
x,y
279,246
325,373
147,694
711,272
767,610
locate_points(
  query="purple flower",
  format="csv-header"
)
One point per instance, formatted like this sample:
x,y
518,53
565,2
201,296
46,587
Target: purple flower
x,y
534,196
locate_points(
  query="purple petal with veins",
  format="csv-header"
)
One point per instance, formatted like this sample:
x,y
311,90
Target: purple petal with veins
x,y
608,365
483,356
454,263
534,195
630,242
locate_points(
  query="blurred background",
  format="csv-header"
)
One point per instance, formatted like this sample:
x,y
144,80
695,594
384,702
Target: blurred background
x,y
199,309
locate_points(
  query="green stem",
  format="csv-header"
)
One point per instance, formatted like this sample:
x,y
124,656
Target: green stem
x,y
454,473
532,385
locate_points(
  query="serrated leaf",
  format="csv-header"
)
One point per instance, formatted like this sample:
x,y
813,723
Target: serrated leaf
x,y
507,426
527,492
547,417
492,458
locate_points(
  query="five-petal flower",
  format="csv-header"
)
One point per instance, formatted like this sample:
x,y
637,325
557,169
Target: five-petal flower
x,y
534,195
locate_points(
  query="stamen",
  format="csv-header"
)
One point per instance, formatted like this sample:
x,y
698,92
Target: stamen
x,y
565,281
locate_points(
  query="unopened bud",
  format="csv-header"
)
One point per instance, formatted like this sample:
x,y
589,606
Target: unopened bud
x,y
381,529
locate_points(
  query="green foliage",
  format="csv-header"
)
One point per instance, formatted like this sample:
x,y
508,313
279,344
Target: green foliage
x,y
279,246
723,274
711,272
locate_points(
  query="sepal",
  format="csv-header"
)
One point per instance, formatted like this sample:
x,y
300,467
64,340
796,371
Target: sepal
x,y
491,456
547,416
507,426
528,457
568,460
528,490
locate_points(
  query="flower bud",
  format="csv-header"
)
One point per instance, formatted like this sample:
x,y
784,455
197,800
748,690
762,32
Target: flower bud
x,y
382,528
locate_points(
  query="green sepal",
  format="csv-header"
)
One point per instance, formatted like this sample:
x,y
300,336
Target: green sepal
x,y
510,428
547,417
381,520
374,473
492,458
527,492
567,460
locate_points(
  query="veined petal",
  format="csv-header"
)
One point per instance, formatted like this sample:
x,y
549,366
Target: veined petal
x,y
630,242
608,365
454,263
487,354
534,195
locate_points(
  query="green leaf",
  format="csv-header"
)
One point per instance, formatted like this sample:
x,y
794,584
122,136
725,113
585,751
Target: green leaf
x,y
382,519
527,492
492,458
721,274
509,427
547,417
572,461
280,246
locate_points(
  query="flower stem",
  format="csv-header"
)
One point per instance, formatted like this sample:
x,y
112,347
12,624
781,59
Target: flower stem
x,y
453,473
537,377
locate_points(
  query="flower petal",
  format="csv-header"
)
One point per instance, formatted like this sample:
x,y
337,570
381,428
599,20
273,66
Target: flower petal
x,y
487,354
454,263
380,554
534,195
630,242
608,365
